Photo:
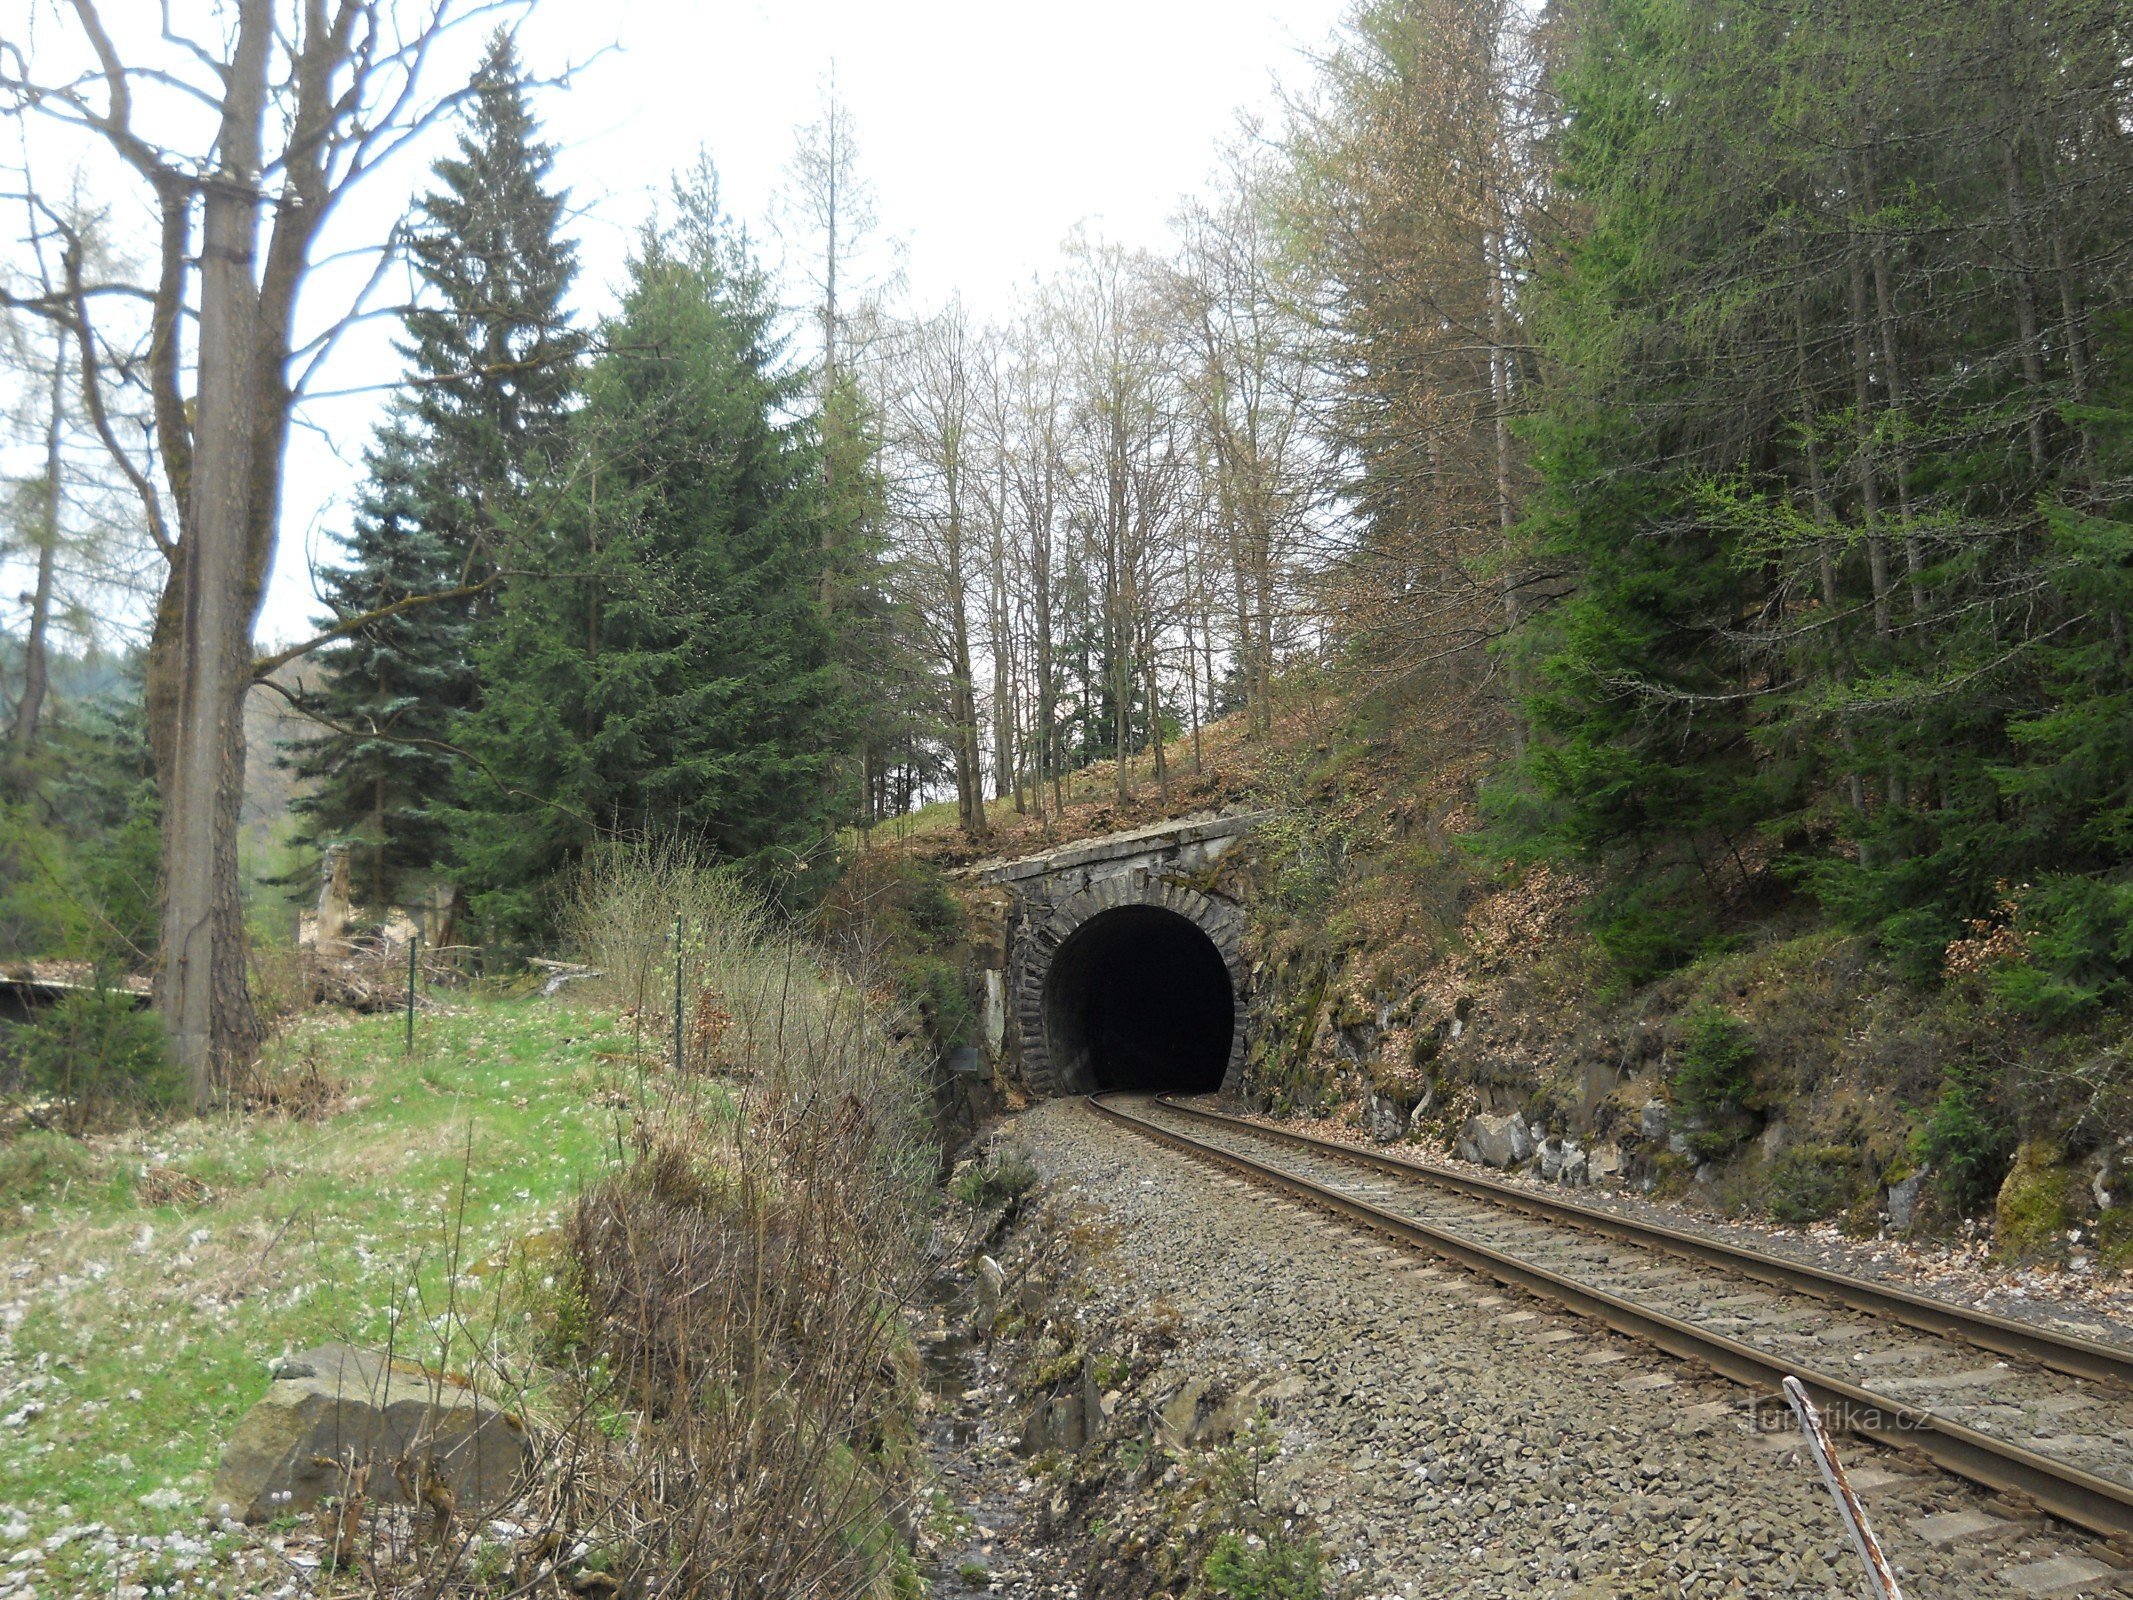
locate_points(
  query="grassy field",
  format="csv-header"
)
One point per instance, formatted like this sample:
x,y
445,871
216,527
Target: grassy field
x,y
133,1335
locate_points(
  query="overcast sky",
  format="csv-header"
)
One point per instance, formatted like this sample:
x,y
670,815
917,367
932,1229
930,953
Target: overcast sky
x,y
988,130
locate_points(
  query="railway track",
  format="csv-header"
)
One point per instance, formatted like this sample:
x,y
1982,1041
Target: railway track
x,y
2034,1415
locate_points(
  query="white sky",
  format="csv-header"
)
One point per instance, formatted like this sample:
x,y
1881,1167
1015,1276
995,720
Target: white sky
x,y
987,129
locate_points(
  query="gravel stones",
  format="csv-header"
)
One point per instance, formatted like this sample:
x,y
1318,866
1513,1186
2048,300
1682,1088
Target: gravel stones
x,y
1439,1450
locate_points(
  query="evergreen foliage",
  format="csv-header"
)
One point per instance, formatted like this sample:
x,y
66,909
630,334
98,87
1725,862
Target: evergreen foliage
x,y
79,840
1833,441
379,777
479,435
491,347
669,668
100,1050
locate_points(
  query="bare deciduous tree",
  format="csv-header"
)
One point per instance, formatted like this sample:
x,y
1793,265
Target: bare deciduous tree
x,y
304,100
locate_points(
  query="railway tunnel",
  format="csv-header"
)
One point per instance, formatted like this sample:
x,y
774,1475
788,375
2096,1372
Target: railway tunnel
x,y
1138,997
1124,968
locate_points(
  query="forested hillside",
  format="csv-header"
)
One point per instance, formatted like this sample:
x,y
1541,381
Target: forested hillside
x,y
1687,440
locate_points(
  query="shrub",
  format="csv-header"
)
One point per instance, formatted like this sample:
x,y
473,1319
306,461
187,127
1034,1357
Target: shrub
x,y
1304,846
44,1165
1649,926
1968,1140
1004,1175
98,1051
728,1302
2077,949
1810,1182
1714,1068
622,903
894,918
2114,1238
1712,1144
1272,1568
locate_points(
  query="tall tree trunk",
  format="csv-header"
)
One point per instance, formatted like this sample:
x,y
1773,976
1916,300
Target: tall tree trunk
x,y
36,648
1825,553
1155,720
1005,781
1898,405
203,653
1118,637
2025,295
963,694
1263,639
1877,553
1192,658
1047,712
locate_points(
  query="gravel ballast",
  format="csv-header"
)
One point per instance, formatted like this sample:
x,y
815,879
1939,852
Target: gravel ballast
x,y
1444,1437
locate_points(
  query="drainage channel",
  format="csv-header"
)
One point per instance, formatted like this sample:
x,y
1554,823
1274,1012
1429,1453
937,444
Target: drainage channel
x,y
2025,1412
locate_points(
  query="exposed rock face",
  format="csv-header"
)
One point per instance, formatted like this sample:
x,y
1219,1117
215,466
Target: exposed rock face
x,y
1564,1161
2036,1201
1201,1413
992,1283
1653,1121
1385,1119
334,1408
1903,1201
1496,1141
1057,1423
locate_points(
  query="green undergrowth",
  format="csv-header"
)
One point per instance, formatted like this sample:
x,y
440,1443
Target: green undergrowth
x,y
144,1329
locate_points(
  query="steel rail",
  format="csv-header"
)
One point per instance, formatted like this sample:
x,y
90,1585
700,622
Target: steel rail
x,y
2061,1490
2067,1353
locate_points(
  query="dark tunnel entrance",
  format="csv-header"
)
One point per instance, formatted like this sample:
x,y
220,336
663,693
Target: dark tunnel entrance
x,y
1138,997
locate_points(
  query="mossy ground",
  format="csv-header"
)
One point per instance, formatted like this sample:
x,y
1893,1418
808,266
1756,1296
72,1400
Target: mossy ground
x,y
143,1331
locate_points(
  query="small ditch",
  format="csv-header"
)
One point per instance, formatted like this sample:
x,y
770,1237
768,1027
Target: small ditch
x,y
972,1533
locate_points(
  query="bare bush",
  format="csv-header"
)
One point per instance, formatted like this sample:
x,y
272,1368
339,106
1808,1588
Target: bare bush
x,y
729,1387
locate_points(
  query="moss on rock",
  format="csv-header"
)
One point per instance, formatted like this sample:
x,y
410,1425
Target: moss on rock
x,y
2033,1210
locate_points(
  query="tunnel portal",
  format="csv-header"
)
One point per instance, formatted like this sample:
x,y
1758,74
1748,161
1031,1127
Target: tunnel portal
x,y
1118,974
1139,997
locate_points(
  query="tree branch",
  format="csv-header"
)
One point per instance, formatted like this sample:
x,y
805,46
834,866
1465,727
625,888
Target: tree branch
x,y
340,630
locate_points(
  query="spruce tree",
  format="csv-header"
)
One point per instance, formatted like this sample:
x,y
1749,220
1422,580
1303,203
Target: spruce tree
x,y
1832,443
494,363
380,771
673,669
493,355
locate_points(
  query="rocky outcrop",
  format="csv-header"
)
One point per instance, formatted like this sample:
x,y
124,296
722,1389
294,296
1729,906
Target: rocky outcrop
x,y
1496,1141
1564,1161
338,1421
1386,1119
1903,1202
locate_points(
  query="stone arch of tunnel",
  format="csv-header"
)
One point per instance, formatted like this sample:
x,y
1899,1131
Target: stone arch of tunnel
x,y
1132,983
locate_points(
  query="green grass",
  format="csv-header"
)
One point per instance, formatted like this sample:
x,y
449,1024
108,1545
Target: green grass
x,y
145,1332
